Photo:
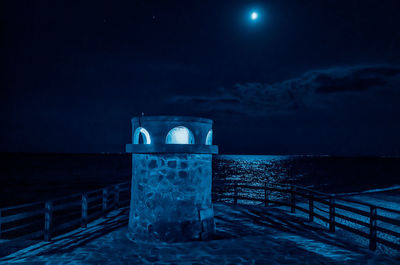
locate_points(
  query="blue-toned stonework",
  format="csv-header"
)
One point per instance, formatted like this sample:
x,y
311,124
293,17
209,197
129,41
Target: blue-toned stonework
x,y
171,183
170,195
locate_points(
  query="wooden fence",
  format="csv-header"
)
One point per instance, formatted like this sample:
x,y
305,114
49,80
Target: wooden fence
x,y
352,215
53,217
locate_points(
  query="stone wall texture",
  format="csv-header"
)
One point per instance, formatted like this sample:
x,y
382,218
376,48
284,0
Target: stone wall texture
x,y
171,197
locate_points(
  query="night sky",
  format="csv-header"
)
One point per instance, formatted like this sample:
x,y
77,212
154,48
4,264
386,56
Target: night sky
x,y
306,77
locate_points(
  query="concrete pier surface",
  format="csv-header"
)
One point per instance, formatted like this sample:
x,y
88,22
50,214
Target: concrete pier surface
x,y
245,235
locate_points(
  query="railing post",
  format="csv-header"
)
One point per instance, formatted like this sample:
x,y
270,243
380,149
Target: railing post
x,y
105,198
311,208
48,216
372,228
265,194
235,194
84,217
331,214
292,199
0,223
116,197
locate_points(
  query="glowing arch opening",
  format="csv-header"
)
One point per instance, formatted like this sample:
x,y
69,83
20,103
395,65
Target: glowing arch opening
x,y
209,137
141,136
180,135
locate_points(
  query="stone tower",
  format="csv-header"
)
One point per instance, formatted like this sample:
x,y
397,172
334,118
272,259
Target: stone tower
x,y
171,178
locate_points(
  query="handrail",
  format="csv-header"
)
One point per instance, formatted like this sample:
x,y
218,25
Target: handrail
x,y
369,205
56,198
331,201
337,196
46,209
14,207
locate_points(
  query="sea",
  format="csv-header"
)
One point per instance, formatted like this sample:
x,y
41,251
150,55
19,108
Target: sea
x,y
28,177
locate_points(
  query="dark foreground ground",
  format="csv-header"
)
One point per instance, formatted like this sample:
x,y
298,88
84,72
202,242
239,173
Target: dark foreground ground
x,y
245,235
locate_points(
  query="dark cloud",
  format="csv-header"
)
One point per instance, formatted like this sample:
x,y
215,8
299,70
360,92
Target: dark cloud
x,y
327,89
342,110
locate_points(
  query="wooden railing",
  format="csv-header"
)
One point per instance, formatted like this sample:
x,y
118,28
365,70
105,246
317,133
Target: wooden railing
x,y
348,214
46,219
53,217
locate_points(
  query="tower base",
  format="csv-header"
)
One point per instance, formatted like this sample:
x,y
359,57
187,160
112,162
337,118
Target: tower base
x,y
171,197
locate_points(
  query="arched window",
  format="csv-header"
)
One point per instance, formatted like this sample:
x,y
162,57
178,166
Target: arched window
x,y
180,135
209,137
141,136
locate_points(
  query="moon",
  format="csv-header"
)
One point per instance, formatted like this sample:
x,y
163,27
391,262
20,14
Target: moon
x,y
254,16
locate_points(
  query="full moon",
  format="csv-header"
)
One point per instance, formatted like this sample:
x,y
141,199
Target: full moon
x,y
254,15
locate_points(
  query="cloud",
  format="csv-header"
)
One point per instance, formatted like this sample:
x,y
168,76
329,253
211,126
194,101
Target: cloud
x,y
332,89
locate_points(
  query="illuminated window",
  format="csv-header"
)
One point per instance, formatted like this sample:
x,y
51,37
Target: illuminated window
x,y
209,137
180,135
141,136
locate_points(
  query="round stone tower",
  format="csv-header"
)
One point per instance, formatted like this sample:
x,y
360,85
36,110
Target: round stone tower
x,y
171,178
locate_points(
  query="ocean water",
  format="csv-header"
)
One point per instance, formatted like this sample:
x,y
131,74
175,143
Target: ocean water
x,y
323,173
27,177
